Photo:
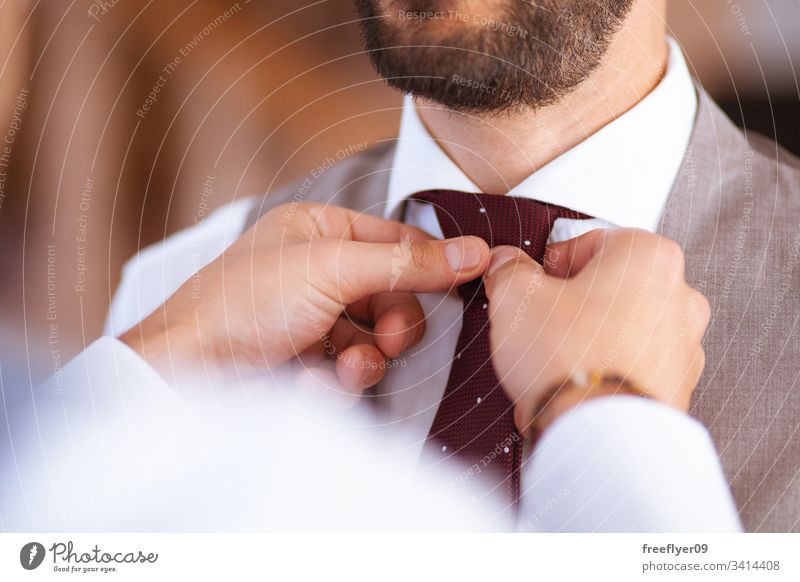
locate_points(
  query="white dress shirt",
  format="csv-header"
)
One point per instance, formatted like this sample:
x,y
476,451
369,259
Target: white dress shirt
x,y
107,446
622,175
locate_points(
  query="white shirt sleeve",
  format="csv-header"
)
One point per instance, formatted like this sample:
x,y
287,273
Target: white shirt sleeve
x,y
43,456
626,464
107,445
155,273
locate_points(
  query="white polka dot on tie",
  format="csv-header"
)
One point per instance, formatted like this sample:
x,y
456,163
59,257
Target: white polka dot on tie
x,y
482,210
506,449
444,448
485,305
479,400
527,243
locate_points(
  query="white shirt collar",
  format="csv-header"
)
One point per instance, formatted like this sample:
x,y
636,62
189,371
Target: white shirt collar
x,y
622,174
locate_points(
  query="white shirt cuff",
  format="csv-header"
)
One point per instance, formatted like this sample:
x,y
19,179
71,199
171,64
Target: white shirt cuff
x,y
622,464
107,376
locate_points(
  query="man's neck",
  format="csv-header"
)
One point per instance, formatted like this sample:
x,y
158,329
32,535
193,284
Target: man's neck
x,y
499,152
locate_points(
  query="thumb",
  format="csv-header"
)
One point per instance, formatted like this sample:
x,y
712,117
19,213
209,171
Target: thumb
x,y
511,272
364,269
568,258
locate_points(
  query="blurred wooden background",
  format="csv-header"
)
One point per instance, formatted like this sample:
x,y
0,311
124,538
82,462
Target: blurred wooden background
x,y
249,94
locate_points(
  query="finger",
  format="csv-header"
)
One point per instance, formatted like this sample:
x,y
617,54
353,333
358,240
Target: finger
x,y
362,269
368,228
312,356
348,332
308,221
398,320
568,258
359,363
322,383
360,367
509,267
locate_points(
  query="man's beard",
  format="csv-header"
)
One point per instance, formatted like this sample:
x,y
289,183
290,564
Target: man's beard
x,y
525,55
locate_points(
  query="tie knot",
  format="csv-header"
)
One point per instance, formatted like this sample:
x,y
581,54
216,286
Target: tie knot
x,y
499,220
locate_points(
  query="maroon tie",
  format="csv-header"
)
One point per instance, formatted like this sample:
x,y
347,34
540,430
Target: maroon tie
x,y
475,420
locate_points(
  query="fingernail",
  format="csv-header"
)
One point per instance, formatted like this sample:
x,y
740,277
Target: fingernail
x,y
463,255
500,256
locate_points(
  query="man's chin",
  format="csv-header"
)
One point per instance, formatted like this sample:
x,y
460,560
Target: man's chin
x,y
490,56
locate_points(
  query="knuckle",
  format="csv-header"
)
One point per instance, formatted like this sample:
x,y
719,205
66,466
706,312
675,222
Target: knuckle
x,y
699,311
422,254
668,258
628,237
621,235
279,210
670,252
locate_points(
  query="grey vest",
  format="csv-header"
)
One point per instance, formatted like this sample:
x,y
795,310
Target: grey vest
x,y
735,210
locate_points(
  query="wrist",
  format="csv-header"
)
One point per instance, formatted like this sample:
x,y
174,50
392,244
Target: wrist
x,y
159,347
576,389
